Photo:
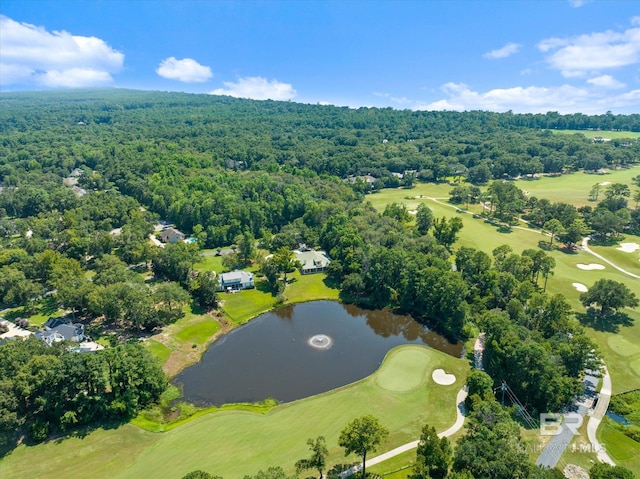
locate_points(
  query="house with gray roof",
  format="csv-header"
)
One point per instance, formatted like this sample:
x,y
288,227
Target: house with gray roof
x,y
171,235
58,329
236,280
312,261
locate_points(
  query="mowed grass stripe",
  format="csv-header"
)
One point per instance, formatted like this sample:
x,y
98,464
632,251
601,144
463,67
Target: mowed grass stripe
x,y
235,443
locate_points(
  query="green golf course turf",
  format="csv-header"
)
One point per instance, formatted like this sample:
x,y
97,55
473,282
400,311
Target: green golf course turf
x,y
234,443
600,133
405,372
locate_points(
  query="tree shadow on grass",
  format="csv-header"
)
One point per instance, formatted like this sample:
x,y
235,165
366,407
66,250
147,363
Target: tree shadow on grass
x,y
9,440
567,250
265,287
48,306
331,283
197,309
609,323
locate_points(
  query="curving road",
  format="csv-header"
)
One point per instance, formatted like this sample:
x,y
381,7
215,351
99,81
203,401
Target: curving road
x,y
597,415
462,394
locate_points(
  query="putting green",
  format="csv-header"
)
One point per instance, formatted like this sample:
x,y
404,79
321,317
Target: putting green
x,y
404,369
622,346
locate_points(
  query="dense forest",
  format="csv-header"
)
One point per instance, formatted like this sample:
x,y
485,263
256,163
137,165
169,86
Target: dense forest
x,y
75,166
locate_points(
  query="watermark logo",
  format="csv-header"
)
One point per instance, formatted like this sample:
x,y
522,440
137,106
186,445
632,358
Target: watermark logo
x,y
553,424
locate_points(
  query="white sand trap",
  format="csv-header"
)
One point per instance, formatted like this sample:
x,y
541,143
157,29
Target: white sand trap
x,y
605,183
442,378
628,247
580,287
590,266
413,212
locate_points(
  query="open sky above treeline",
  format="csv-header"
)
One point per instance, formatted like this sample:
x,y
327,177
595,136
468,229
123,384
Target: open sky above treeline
x,y
526,56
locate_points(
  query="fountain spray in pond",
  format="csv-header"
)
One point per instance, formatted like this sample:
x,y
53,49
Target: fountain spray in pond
x,y
320,341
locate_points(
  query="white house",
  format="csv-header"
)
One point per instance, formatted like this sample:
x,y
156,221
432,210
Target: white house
x,y
312,261
236,280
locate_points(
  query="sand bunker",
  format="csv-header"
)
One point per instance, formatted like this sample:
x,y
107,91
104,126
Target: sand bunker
x,y
628,247
605,183
442,378
589,267
580,287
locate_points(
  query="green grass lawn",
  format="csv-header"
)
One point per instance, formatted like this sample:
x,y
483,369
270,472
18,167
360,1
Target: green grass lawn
x,y
210,262
591,134
623,450
159,350
198,333
574,188
398,467
241,307
235,443
42,311
628,261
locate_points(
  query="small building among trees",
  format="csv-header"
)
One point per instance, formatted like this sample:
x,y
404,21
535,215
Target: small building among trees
x,y
171,235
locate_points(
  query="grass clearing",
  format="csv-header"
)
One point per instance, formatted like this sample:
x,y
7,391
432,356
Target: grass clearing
x,y
398,467
574,188
185,340
159,350
198,333
241,307
209,262
622,449
591,134
215,442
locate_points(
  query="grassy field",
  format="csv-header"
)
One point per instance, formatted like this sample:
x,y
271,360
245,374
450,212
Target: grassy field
x,y
210,262
398,467
215,442
183,342
622,449
574,188
628,261
591,134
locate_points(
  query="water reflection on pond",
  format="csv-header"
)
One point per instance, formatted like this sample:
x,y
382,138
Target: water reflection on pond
x,y
301,350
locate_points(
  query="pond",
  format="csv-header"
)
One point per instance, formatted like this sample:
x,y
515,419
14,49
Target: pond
x,y
301,350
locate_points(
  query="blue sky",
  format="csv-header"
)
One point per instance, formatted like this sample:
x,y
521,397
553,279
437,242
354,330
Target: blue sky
x,y
525,56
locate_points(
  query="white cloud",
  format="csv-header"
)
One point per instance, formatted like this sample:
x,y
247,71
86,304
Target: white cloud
x,y
533,99
32,55
593,52
578,3
186,70
605,81
74,78
504,52
257,88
